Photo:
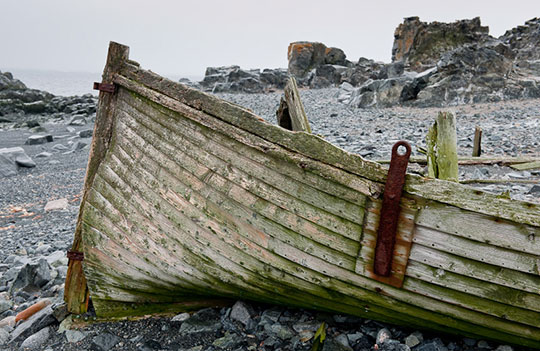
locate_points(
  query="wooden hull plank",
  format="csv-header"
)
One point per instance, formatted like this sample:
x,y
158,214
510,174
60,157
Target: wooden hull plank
x,y
476,251
482,228
194,184
474,269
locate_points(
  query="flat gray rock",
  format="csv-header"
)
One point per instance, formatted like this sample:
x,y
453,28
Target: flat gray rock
x,y
8,168
37,139
18,156
34,342
38,321
4,336
74,336
105,341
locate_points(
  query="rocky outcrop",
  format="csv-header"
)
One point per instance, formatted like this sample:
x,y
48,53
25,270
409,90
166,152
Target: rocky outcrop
x,y
419,44
304,56
524,41
7,82
16,100
236,79
479,69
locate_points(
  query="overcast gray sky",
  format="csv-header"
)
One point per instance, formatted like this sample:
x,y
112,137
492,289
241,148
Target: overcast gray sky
x,y
184,37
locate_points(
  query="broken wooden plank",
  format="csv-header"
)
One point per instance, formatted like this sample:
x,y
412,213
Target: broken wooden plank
x,y
526,166
478,227
447,161
500,181
464,160
291,114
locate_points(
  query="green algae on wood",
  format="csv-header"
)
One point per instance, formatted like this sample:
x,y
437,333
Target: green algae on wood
x,y
442,148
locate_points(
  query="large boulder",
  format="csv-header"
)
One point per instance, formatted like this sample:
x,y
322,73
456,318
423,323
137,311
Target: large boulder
x,y
11,159
304,56
419,44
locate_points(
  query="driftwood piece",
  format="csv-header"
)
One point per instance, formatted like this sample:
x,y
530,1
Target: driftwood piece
x,y
526,166
291,114
500,181
76,291
467,161
477,144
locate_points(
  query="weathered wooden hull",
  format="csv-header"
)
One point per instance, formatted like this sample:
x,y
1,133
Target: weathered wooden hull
x,y
190,199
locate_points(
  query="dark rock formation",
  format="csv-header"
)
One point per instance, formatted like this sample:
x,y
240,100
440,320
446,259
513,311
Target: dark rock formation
x,y
462,63
433,64
419,44
235,79
7,82
16,99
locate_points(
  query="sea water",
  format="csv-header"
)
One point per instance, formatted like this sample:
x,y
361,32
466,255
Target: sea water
x,y
67,83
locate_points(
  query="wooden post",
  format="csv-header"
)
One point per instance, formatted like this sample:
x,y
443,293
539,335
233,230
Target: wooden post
x,y
447,162
76,292
477,145
291,114
442,148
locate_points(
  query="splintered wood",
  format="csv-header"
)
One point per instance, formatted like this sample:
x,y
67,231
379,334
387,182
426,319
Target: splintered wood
x,y
291,114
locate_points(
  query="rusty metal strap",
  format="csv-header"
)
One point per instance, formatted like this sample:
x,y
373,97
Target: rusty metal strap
x,y
75,255
106,87
388,221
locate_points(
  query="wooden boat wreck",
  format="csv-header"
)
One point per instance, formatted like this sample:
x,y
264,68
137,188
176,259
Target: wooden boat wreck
x,y
192,201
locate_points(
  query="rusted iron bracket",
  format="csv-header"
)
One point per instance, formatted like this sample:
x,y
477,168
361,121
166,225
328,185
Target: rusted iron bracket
x,y
106,87
75,255
388,221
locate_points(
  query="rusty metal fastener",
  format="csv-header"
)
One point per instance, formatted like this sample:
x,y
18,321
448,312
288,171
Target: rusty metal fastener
x,y
75,255
106,87
388,221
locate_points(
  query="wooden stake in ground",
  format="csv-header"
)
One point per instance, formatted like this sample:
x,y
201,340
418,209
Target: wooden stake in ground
x,y
442,148
477,145
291,114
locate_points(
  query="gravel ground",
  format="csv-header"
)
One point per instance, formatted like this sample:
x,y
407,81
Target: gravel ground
x,y
28,233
